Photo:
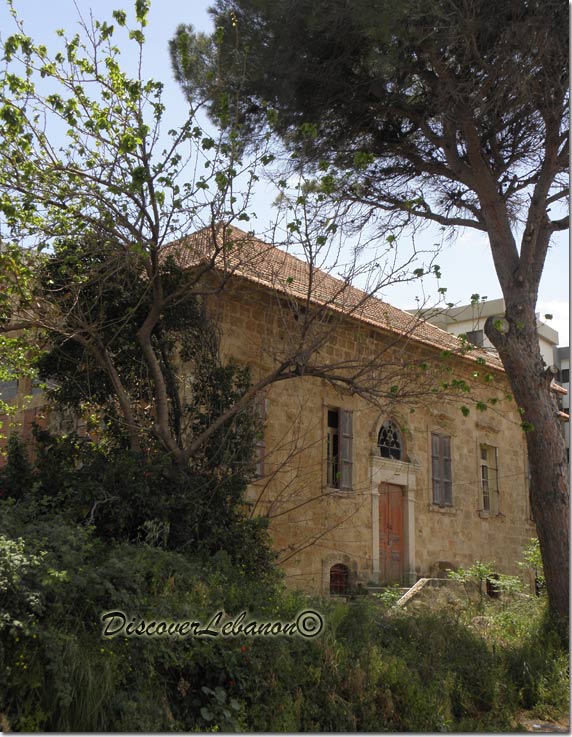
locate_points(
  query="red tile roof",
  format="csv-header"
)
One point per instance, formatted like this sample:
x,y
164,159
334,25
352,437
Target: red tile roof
x,y
246,256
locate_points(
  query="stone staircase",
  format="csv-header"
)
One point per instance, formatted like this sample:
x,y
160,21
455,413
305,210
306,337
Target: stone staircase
x,y
381,589
430,592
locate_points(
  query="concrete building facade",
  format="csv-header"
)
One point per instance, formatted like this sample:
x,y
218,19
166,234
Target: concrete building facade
x,y
470,320
562,362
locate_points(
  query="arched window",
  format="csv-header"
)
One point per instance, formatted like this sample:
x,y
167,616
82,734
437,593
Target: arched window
x,y
339,579
390,441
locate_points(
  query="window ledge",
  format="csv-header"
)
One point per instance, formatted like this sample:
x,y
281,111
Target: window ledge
x,y
483,514
487,426
333,490
443,510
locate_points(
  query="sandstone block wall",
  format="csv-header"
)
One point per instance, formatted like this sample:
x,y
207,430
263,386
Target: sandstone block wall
x,y
314,526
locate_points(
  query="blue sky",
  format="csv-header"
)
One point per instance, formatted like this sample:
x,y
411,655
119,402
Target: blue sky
x,y
466,263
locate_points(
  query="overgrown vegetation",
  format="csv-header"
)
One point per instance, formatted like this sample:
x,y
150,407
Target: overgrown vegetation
x,y
372,669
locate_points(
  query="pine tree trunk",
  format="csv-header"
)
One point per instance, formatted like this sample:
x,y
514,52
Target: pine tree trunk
x,y
516,340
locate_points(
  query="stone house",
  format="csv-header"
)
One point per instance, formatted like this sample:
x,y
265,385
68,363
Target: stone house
x,y
374,465
361,492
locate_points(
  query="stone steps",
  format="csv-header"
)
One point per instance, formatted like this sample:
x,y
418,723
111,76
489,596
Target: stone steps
x,y
381,589
424,591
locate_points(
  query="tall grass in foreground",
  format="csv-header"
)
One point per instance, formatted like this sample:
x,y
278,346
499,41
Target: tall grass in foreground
x,y
372,669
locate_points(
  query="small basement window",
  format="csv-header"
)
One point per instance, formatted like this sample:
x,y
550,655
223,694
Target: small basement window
x,y
492,589
339,580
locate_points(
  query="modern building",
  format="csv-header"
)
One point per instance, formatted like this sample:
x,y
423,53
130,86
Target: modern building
x,y
562,361
469,320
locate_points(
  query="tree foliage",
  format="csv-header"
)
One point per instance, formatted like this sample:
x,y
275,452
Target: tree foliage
x,y
114,326
396,98
412,672
94,191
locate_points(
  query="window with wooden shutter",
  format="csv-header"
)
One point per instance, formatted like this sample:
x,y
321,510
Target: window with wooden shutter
x,y
442,481
436,469
333,448
445,443
489,478
346,449
340,449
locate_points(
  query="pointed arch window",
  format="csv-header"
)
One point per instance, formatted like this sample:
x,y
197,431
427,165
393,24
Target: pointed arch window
x,y
390,441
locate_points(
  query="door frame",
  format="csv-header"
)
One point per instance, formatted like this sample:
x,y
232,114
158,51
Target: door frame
x,y
385,470
386,492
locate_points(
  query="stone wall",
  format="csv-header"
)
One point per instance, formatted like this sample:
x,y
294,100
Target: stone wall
x,y
314,526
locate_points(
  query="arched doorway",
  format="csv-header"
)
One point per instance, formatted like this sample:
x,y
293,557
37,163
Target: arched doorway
x,y
393,484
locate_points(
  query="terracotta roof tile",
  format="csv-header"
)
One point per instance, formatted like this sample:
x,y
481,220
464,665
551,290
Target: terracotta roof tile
x,y
251,258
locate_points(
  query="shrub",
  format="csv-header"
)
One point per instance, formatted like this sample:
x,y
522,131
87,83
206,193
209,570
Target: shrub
x,y
373,668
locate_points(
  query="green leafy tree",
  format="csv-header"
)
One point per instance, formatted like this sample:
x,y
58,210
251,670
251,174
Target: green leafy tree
x,y
91,192
532,561
88,180
412,112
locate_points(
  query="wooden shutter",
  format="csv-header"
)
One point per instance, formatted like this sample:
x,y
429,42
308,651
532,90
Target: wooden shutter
x,y
446,465
436,469
346,443
495,499
441,470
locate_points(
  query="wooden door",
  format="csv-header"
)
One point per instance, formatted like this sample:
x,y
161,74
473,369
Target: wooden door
x,y
390,533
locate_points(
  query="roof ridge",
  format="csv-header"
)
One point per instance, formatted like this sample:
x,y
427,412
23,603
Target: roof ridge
x,y
270,266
